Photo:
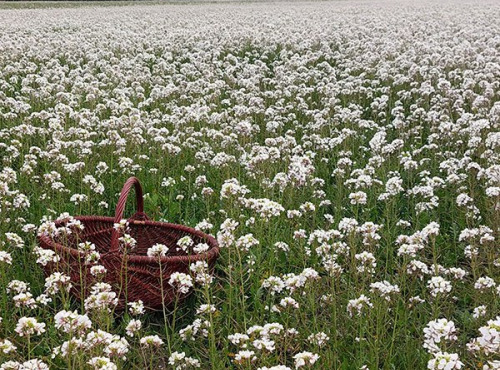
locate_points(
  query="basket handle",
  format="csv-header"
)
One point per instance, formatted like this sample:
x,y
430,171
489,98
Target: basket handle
x,y
120,207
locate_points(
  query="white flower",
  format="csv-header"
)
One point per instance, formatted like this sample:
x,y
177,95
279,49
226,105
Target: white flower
x,y
98,270
181,281
6,346
45,256
180,361
201,248
264,344
157,251
185,243
57,282
133,327
438,331
78,198
24,300
319,339
101,363
438,285
205,309
34,364
151,341
72,322
14,240
17,286
304,359
445,361
489,341
245,356
118,348
245,242
28,326
274,284
358,197
479,311
484,283
199,327
367,262
5,258
239,339
384,289
121,226
289,302
136,308
11,365
127,241
358,305
101,301
492,365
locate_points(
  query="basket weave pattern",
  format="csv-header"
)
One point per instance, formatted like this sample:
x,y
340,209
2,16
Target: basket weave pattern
x,y
134,276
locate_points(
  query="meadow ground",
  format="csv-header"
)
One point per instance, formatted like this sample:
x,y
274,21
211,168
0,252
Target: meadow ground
x,y
346,156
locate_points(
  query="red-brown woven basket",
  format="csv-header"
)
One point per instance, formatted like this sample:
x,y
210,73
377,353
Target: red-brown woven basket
x,y
142,273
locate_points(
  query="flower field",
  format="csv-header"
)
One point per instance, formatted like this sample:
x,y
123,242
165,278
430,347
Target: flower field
x,y
345,155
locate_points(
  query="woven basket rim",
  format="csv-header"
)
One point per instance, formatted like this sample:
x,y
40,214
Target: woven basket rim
x,y
206,256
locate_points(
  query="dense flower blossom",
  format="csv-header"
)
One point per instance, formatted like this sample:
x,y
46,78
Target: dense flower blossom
x,y
348,166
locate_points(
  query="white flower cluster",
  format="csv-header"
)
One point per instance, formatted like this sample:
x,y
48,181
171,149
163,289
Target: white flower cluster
x,y
358,305
489,341
438,331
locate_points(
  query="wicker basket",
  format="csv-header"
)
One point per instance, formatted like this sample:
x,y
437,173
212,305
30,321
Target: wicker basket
x,y
134,276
